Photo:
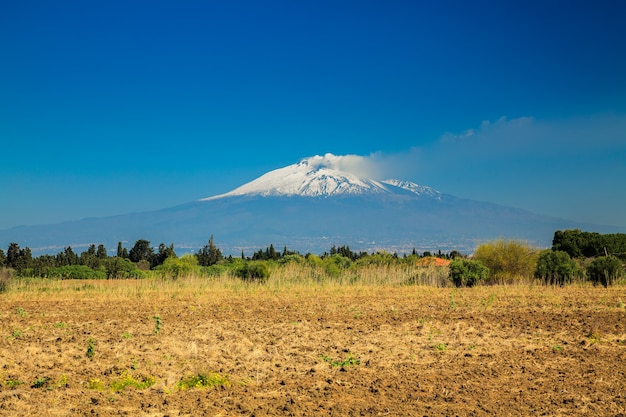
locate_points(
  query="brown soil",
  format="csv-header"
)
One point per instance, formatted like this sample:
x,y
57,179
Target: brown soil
x,y
406,351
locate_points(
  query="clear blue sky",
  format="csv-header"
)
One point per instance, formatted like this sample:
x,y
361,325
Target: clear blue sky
x,y
114,107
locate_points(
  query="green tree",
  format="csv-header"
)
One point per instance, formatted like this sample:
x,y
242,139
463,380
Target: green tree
x,y
67,257
13,255
122,252
605,270
508,260
101,253
556,267
467,272
26,259
271,253
18,258
455,254
163,253
209,254
42,264
142,251
88,258
589,244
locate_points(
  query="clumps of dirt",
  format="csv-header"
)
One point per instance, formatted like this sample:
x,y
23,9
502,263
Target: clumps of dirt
x,y
408,351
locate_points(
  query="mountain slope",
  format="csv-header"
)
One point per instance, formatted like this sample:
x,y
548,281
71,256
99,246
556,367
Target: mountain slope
x,y
309,207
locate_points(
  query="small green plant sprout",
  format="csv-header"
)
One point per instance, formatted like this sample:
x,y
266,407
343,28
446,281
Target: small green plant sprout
x,y
620,303
21,312
594,338
16,334
350,361
356,312
62,382
452,302
441,347
60,325
204,380
95,384
91,349
12,383
158,323
127,335
40,382
128,380
557,348
488,302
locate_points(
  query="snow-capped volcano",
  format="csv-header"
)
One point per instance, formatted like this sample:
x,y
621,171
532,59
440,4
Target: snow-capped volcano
x,y
320,176
318,202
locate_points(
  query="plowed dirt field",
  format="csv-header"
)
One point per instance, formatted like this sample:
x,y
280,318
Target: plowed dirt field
x,y
86,348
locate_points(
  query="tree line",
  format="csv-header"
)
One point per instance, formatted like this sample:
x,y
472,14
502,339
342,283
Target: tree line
x,y
95,262
135,262
575,256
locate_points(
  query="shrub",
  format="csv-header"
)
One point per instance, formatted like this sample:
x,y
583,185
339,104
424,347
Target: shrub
x,y
129,380
253,271
204,380
291,258
508,261
75,272
467,272
334,264
215,270
117,267
604,270
179,267
556,267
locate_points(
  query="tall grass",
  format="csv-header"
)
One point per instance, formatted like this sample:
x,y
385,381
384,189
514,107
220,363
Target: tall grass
x,y
391,274
5,279
290,275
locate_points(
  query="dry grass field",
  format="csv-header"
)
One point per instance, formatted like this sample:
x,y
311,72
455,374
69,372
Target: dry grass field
x,y
197,347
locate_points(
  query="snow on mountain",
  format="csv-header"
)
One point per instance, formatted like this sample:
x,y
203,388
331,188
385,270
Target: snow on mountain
x,y
414,188
319,176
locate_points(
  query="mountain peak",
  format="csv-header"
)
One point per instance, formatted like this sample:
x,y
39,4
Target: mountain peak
x,y
319,176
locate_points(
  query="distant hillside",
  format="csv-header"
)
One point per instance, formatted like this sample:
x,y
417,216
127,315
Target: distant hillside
x,y
309,207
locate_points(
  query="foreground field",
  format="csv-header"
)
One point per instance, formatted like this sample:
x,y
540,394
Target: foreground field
x,y
137,348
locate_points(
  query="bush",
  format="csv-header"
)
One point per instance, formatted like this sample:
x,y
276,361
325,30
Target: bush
x,y
215,270
253,271
291,258
179,267
605,270
557,267
75,272
467,272
121,268
508,261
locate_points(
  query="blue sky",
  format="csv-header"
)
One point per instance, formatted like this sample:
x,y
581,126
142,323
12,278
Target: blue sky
x,y
115,107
